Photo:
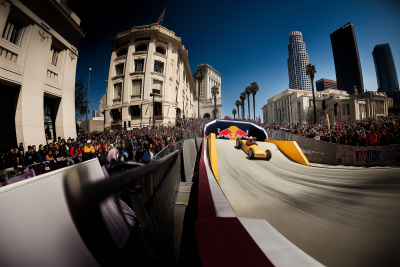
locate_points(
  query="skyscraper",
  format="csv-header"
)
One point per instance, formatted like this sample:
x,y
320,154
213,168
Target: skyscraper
x,y
297,62
347,60
385,69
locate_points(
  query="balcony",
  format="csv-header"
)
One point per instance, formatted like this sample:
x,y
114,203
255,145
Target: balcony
x,y
116,101
116,122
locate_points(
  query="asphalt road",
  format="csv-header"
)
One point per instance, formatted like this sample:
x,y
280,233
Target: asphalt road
x,y
340,216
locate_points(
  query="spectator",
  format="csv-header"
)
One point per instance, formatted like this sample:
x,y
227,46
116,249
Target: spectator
x,y
49,156
41,156
88,151
30,157
21,147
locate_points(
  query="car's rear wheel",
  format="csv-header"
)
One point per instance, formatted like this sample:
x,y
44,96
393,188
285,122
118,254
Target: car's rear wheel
x,y
238,143
251,153
268,154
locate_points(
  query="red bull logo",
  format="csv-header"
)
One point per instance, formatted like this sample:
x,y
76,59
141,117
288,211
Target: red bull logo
x,y
232,132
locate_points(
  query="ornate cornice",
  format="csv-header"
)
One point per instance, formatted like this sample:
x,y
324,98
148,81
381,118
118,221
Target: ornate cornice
x,y
158,74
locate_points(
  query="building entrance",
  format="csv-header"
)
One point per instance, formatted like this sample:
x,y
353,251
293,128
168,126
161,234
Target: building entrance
x,y
8,108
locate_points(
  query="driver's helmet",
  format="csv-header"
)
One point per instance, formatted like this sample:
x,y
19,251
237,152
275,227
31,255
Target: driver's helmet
x,y
254,138
251,138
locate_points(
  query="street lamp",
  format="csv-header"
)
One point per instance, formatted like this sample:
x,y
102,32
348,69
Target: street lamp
x,y
152,95
87,108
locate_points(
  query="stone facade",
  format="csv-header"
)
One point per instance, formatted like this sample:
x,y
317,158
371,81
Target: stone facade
x,y
292,106
38,57
212,78
148,60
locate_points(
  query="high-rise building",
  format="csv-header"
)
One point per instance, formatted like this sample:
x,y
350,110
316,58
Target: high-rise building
x,y
297,62
323,84
385,69
347,60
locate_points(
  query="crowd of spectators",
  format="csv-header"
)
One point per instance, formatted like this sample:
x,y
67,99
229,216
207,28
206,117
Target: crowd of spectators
x,y
366,132
116,145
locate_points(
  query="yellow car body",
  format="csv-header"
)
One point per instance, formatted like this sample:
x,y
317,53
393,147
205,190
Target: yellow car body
x,y
253,151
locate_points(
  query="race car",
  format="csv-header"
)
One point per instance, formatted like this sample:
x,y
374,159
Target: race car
x,y
253,151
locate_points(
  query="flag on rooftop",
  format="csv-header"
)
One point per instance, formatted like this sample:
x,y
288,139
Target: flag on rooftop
x,y
160,19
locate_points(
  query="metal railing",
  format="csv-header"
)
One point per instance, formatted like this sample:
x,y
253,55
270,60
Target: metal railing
x,y
152,192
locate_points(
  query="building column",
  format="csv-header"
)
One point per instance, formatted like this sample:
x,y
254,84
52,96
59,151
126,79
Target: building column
x,y
4,11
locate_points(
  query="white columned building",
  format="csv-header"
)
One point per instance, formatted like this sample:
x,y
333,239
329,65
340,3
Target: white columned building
x,y
212,78
297,62
146,60
38,56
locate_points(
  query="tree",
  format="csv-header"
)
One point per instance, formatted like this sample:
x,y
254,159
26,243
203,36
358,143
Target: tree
x,y
199,74
254,89
238,103
310,71
214,92
234,113
242,99
80,100
248,93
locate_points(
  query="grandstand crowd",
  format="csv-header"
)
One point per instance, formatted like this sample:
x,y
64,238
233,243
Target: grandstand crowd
x,y
144,144
366,132
116,145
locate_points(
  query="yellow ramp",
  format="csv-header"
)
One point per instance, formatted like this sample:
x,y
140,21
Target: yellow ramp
x,y
212,154
292,150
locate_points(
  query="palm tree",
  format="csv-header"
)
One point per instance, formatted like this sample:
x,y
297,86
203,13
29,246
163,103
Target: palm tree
x,y
242,98
310,71
214,92
234,113
254,89
238,103
248,92
199,74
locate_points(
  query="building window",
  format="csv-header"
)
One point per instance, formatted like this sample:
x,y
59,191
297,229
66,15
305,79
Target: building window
x,y
135,112
157,109
115,116
13,32
160,50
157,87
119,69
344,111
139,65
136,86
55,55
142,47
158,67
348,109
117,91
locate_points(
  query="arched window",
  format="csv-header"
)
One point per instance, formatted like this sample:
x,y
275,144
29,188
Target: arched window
x,y
122,52
142,47
160,50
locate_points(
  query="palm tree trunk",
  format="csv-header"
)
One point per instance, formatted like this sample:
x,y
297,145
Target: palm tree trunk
x,y
248,104
238,110
215,107
254,106
313,98
198,99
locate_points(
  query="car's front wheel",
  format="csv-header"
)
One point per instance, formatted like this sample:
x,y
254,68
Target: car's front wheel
x,y
251,153
268,154
238,143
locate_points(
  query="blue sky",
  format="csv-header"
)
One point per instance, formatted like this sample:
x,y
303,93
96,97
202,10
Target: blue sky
x,y
245,41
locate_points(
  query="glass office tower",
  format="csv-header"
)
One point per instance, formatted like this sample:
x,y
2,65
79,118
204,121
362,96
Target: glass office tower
x,y
347,60
385,69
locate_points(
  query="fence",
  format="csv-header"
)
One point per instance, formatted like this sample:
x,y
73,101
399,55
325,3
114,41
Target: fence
x,y
331,153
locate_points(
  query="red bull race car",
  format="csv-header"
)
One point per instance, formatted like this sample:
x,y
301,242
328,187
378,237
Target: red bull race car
x,y
253,151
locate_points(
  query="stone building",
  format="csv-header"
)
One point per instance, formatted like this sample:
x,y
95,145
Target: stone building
x,y
146,60
296,106
212,78
38,55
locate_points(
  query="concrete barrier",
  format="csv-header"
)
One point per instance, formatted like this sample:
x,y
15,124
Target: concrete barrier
x,y
331,153
189,157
